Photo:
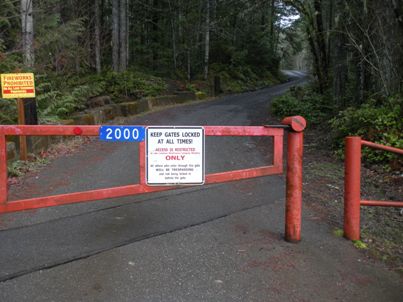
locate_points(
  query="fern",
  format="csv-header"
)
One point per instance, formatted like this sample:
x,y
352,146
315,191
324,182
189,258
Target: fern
x,y
8,111
57,104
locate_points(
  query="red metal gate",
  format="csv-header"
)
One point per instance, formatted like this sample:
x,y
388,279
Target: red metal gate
x,y
294,168
352,185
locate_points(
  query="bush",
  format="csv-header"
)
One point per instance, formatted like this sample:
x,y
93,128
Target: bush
x,y
241,78
381,124
131,84
54,104
200,95
305,102
8,111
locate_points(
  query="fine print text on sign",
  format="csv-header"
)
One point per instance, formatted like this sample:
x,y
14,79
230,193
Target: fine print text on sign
x,y
17,85
121,133
175,155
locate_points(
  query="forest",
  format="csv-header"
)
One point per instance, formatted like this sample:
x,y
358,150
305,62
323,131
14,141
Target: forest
x,y
353,51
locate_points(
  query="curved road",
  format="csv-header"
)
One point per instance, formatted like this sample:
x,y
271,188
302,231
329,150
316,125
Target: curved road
x,y
211,243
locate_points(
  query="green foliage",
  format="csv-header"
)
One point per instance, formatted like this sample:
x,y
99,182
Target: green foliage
x,y
338,232
20,167
57,42
60,96
360,245
8,61
131,84
379,123
54,104
200,95
314,107
241,78
8,111
9,26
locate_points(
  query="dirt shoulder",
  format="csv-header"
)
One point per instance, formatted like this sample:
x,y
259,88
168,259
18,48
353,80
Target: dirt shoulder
x,y
381,227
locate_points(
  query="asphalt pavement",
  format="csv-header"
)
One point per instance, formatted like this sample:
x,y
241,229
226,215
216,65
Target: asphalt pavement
x,y
209,243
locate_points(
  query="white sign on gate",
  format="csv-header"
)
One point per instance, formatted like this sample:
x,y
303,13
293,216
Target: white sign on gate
x,y
174,155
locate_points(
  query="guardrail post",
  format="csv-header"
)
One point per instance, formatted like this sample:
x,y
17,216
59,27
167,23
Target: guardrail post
x,y
352,187
293,214
3,169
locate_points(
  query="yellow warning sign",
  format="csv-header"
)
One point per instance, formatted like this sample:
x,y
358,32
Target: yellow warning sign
x,y
17,85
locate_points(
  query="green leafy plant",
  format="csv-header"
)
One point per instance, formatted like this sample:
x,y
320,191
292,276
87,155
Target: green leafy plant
x,y
360,245
54,103
314,107
379,123
131,84
19,168
200,95
239,78
338,232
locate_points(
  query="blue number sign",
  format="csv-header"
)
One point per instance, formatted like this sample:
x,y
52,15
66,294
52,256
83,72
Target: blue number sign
x,y
121,133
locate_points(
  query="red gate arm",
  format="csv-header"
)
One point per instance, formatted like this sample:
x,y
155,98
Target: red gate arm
x,y
242,131
381,147
69,198
382,203
242,174
77,197
46,130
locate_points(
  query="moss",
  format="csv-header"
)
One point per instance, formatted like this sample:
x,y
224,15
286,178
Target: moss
x,y
19,168
200,95
338,232
360,245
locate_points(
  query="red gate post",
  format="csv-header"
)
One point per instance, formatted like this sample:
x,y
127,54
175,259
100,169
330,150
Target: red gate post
x,y
352,185
293,214
3,169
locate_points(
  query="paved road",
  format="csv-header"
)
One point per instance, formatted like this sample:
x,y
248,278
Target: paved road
x,y
212,243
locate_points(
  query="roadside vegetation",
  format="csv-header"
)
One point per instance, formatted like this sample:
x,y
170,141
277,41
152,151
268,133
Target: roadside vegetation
x,y
60,96
378,121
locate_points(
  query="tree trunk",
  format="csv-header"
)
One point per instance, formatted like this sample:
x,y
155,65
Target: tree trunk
x,y
315,55
189,70
339,56
321,45
398,9
207,40
329,30
127,33
97,38
27,23
123,36
272,19
153,32
173,34
115,35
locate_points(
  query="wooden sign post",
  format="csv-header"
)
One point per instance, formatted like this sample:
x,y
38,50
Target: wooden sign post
x,y
19,86
21,121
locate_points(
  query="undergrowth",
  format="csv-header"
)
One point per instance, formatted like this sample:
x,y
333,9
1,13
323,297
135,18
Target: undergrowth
x,y
60,96
242,78
379,121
